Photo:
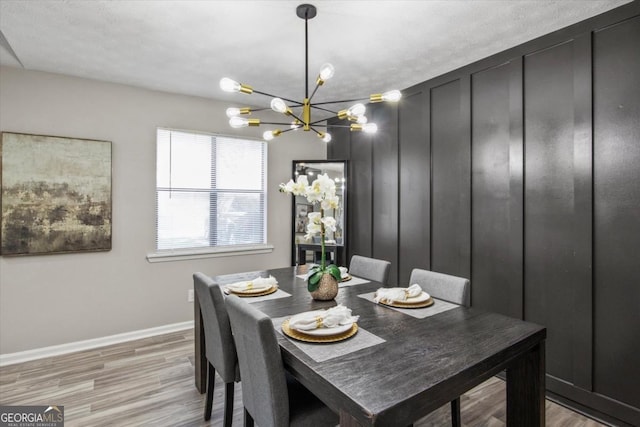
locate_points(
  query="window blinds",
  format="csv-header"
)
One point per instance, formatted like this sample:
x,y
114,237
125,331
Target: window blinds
x,y
210,191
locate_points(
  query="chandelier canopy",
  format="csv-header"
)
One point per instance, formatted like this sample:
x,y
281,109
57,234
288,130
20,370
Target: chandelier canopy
x,y
300,111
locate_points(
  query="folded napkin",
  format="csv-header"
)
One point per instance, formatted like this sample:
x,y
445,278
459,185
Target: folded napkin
x,y
389,295
257,284
331,318
344,272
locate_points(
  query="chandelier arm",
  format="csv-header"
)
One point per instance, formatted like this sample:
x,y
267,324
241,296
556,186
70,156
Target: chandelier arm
x,y
275,123
316,123
332,126
296,117
314,92
338,102
325,109
298,103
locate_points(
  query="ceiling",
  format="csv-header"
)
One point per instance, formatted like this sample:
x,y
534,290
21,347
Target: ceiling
x,y
187,46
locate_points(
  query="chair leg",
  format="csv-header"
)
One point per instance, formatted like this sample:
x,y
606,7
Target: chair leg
x,y
248,419
455,413
228,404
211,379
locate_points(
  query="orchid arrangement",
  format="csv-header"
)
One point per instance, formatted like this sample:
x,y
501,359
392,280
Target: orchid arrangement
x,y
322,191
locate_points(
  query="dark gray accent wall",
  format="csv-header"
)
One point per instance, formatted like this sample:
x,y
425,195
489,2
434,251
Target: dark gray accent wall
x,y
414,216
450,182
556,269
616,116
385,186
521,172
497,186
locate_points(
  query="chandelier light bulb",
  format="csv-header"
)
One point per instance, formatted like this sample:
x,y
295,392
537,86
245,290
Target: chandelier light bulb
x,y
238,122
233,112
268,135
241,122
357,110
392,96
362,120
228,85
279,106
326,137
370,128
295,125
326,71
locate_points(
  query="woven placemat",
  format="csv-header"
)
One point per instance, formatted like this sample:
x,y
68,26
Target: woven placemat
x,y
292,333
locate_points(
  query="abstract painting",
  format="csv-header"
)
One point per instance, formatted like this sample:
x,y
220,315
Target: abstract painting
x,y
56,194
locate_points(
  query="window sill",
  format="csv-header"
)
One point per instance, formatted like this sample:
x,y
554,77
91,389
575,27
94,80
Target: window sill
x,y
190,254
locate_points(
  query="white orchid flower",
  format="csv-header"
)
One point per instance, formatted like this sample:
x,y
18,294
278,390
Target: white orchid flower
x,y
314,217
300,187
288,187
329,223
330,203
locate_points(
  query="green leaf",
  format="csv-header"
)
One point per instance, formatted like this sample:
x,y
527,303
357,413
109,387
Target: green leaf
x,y
315,278
334,271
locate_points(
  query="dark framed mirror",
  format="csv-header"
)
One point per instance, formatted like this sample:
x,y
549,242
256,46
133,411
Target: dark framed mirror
x,y
305,251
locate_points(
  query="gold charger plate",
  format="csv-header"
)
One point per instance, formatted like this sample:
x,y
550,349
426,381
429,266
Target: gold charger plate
x,y
253,293
292,333
399,304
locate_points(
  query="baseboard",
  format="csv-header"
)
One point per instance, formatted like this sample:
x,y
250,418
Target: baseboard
x,y
57,350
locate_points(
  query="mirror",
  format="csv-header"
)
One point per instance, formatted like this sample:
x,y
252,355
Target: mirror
x,y
307,251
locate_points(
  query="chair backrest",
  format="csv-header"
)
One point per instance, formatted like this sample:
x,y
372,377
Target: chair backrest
x,y
219,345
370,268
443,286
264,387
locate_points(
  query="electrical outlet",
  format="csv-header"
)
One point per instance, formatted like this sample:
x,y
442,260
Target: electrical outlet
x,y
190,295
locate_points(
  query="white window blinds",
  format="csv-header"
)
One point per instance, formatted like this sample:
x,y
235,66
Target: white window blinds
x,y
210,191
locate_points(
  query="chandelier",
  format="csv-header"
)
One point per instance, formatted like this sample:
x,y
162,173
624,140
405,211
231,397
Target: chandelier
x,y
300,112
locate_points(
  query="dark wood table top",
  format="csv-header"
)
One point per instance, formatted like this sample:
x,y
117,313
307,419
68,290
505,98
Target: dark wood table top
x,y
423,364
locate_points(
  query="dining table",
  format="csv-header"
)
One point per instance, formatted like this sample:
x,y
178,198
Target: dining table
x,y
402,363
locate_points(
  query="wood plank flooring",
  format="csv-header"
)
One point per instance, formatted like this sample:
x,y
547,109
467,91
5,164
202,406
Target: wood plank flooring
x,y
149,382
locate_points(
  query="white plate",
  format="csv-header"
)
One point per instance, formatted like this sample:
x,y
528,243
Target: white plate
x,y
255,290
417,300
325,332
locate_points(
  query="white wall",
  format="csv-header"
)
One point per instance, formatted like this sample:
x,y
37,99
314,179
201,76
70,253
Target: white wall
x,y
56,299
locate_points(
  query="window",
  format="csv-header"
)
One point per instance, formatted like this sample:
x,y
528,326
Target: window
x,y
211,191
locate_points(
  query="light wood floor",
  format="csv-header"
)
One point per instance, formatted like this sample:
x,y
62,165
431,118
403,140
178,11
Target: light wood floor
x,y
149,382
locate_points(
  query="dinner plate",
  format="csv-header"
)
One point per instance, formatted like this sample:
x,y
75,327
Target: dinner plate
x,y
423,297
346,278
253,292
326,332
250,291
398,304
297,335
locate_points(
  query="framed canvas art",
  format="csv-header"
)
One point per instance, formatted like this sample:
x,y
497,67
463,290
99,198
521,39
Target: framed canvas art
x,y
55,194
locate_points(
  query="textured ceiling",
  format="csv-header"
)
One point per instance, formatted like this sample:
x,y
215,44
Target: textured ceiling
x,y
187,46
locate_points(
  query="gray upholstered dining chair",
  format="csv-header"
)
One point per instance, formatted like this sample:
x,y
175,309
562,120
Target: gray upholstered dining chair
x,y
370,268
449,288
271,397
220,348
